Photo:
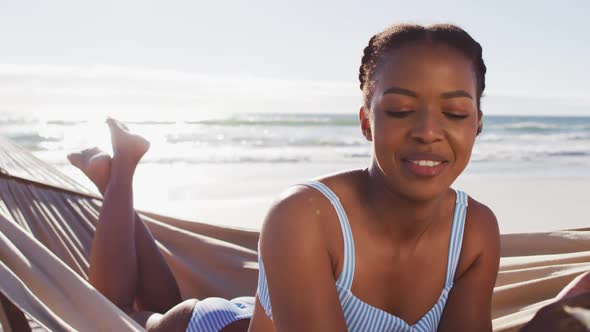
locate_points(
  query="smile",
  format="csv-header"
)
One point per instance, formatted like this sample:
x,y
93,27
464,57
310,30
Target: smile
x,y
424,167
426,163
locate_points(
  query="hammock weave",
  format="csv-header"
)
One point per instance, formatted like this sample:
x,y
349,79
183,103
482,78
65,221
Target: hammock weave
x,y
47,222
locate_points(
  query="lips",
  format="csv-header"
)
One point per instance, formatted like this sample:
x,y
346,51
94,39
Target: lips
x,y
424,164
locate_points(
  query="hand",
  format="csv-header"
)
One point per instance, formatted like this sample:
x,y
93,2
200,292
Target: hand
x,y
571,314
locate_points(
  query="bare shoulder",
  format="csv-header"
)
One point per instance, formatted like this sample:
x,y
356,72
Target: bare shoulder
x,y
304,211
295,210
481,221
481,238
296,221
295,250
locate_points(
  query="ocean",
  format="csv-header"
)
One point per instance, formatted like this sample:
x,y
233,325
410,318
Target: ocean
x,y
200,168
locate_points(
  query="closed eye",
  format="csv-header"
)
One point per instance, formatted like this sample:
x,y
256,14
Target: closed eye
x,y
456,116
399,114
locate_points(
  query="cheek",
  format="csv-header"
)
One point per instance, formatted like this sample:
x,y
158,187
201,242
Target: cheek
x,y
462,134
386,133
387,139
462,142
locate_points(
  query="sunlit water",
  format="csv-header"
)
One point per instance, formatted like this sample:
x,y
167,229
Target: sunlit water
x,y
227,169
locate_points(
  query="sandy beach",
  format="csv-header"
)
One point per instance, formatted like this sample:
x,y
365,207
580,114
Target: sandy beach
x,y
533,204
239,195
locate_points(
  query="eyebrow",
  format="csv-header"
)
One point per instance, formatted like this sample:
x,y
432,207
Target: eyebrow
x,y
456,94
444,95
401,91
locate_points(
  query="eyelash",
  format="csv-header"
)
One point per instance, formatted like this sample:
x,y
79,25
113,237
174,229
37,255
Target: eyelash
x,y
403,114
399,114
454,116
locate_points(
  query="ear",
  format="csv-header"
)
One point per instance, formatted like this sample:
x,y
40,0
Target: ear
x,y
365,122
479,122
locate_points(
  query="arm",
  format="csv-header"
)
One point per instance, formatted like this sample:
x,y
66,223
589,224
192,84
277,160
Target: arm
x,y
469,304
298,265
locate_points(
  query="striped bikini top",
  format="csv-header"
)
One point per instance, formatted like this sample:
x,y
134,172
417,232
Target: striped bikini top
x,y
361,316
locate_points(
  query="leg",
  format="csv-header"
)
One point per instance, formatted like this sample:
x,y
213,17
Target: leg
x,y
113,258
129,238
117,222
157,289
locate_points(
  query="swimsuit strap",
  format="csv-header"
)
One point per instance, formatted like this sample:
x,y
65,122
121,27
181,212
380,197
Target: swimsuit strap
x,y
456,239
347,275
455,242
345,279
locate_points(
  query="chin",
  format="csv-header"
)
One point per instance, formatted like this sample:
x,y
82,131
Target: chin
x,y
422,195
419,189
422,191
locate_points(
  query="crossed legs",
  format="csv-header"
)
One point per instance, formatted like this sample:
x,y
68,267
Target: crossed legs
x,y
125,263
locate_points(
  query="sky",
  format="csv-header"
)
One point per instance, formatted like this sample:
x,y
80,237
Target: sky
x,y
170,58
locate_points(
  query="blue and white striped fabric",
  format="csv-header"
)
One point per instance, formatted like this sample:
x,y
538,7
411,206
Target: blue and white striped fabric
x,y
214,313
360,316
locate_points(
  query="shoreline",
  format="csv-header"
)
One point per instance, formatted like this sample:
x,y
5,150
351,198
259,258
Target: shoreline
x,y
238,196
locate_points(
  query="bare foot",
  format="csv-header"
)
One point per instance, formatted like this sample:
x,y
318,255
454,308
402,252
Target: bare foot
x,y
126,145
95,164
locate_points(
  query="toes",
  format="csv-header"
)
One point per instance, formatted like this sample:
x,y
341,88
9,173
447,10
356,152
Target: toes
x,y
74,158
89,151
94,150
78,159
113,124
116,123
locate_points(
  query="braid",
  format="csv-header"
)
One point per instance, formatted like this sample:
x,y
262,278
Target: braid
x,y
367,57
398,35
482,69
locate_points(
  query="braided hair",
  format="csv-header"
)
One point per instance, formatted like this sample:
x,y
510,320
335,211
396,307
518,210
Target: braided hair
x,y
396,36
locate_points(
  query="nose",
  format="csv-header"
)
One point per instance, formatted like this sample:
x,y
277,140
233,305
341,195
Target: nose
x,y
427,127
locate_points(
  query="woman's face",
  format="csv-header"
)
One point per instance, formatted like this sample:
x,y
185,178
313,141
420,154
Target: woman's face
x,y
423,118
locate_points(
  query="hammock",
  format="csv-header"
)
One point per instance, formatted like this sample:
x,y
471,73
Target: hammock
x,y
47,222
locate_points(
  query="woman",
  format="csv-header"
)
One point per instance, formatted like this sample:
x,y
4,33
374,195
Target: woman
x,y
391,247
387,248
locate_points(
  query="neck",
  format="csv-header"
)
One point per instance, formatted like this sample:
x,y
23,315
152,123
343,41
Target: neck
x,y
399,216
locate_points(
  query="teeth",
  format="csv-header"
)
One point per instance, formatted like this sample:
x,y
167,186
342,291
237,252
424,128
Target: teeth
x,y
427,163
